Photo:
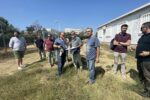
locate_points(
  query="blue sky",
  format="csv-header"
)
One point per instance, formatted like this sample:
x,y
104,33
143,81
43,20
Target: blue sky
x,y
69,13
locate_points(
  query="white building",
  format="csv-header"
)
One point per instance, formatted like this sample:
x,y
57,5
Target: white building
x,y
78,31
134,19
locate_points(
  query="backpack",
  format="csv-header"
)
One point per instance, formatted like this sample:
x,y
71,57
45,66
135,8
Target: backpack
x,y
112,46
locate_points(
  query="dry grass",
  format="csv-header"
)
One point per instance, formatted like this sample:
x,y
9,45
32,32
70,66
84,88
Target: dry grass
x,y
38,82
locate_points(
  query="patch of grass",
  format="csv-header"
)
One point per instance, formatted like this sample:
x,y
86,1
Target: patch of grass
x,y
38,82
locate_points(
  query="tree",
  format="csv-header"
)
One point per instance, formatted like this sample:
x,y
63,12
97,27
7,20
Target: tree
x,y
6,30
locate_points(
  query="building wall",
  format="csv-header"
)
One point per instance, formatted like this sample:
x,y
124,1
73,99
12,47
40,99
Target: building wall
x,y
134,21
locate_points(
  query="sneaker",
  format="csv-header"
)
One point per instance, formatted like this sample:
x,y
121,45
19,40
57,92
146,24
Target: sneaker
x,y
19,68
81,68
91,82
22,66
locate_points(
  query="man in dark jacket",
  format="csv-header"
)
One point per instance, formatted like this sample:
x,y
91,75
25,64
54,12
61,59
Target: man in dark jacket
x,y
143,56
40,45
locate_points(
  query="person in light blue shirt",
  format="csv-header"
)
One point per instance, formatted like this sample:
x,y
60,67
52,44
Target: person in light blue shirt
x,y
61,47
92,54
18,44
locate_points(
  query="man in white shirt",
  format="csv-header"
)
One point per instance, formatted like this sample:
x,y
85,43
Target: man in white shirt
x,y
18,45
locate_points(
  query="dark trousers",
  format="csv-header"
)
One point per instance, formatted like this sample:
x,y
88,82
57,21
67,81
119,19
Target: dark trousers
x,y
61,61
146,73
139,68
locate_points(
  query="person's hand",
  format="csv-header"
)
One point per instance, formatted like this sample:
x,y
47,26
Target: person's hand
x,y
58,46
144,53
97,60
121,43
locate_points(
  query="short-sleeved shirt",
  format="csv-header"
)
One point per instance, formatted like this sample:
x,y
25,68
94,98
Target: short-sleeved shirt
x,y
49,45
17,44
122,37
39,43
92,44
143,45
75,43
61,43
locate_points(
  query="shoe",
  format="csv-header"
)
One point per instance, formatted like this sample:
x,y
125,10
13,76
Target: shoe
x,y
91,82
81,68
19,68
124,76
22,66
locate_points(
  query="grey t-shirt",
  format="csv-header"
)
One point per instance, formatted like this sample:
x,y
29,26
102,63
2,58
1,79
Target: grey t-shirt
x,y
17,44
76,42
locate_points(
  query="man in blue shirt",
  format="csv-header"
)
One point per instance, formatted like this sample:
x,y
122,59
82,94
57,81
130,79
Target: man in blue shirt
x,y
61,46
92,55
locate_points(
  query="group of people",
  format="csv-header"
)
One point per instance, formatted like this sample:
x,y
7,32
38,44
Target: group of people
x,y
120,47
58,48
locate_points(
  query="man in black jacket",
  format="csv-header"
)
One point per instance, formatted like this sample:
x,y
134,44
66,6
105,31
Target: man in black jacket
x,y
40,45
143,57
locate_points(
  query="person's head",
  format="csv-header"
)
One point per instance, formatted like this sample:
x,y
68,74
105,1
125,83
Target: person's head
x,y
38,36
124,28
49,36
73,34
62,35
89,32
145,27
16,34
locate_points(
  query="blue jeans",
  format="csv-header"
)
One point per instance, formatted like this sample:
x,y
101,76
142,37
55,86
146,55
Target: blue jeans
x,y
61,61
91,67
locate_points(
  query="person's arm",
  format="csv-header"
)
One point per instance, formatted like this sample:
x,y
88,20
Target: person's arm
x,y
145,53
44,45
97,44
97,54
126,43
80,43
25,44
55,44
115,42
11,43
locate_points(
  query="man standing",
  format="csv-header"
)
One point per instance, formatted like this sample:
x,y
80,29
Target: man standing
x,y
143,56
40,45
121,42
48,44
92,55
76,43
18,44
61,46
139,62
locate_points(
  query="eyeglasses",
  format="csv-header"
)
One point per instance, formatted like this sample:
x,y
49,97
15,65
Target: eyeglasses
x,y
88,31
